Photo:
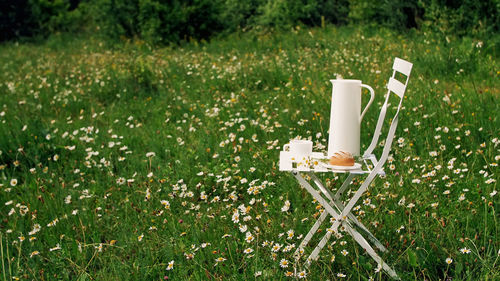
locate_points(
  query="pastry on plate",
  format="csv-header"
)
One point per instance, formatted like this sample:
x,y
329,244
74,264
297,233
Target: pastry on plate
x,y
342,159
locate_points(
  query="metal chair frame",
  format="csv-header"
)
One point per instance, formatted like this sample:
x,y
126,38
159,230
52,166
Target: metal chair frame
x,y
340,213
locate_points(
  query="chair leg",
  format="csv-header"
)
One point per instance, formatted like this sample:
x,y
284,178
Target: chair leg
x,y
364,244
335,201
309,235
322,243
362,227
346,211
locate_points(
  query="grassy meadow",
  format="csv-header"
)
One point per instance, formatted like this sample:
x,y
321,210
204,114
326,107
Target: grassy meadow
x,y
128,162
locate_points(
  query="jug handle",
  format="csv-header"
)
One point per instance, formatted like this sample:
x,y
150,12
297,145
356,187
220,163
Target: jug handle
x,y
372,92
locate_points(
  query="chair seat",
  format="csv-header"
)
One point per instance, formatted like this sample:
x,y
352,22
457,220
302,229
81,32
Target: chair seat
x,y
369,161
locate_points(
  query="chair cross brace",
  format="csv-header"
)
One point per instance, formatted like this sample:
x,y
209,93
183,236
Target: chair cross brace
x,y
341,216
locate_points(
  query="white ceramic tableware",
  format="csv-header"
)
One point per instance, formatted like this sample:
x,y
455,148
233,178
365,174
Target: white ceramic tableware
x,y
300,151
346,116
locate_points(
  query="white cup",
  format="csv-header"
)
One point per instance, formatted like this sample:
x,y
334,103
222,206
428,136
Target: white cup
x,y
300,152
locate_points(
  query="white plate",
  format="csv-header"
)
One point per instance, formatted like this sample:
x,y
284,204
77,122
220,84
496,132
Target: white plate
x,y
356,166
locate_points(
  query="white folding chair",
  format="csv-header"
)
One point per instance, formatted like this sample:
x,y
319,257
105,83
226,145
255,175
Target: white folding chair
x,y
341,215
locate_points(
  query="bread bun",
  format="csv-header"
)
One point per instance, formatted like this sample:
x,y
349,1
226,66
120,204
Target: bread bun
x,y
342,159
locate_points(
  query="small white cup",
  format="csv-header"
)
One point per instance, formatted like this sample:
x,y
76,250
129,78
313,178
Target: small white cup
x,y
300,153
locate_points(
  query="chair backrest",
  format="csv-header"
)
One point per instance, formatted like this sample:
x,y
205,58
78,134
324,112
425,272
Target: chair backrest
x,y
397,87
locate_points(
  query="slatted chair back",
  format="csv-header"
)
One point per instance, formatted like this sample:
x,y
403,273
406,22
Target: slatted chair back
x,y
398,88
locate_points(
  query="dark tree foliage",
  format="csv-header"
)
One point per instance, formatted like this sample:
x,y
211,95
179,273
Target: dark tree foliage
x,y
167,21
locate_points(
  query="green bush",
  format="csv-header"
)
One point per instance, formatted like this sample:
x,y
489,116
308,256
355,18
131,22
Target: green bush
x,y
158,21
286,13
27,18
238,14
165,21
445,16
15,20
462,17
398,14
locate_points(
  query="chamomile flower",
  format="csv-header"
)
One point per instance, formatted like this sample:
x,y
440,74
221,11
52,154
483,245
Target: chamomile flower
x,y
249,237
248,251
465,251
170,265
219,259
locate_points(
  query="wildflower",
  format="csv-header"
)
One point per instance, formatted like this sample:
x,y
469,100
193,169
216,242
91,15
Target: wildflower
x,y
248,250
53,223
341,275
288,274
344,252
258,273
290,234
302,274
150,154
166,204
449,260
236,217
465,251
219,259
57,247
284,263
120,181
286,207
243,228
13,182
249,237
490,180
36,228
34,253
170,265
276,247
140,237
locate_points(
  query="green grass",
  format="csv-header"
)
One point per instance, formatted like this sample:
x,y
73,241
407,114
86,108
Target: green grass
x,y
79,117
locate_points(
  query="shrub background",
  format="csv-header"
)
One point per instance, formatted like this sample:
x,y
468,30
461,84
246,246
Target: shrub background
x,y
163,22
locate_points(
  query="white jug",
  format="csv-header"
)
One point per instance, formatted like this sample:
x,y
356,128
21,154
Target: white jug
x,y
345,117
